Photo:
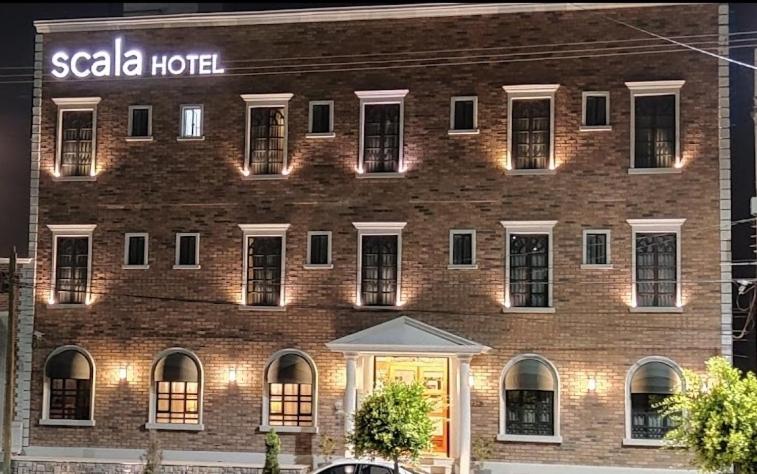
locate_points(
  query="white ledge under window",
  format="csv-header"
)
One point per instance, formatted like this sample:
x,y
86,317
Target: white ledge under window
x,y
186,267
377,308
462,267
190,139
277,309
66,306
516,172
381,175
264,177
288,429
312,266
595,128
175,426
79,423
320,135
74,178
138,139
655,309
528,309
589,266
135,267
649,443
529,439
655,170
473,131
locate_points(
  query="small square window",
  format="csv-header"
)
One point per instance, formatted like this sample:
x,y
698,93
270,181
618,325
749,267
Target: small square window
x,y
191,121
135,251
140,121
596,252
462,249
595,110
463,114
321,118
319,250
187,251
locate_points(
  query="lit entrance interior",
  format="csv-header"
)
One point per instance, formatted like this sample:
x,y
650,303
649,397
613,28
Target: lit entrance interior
x,y
433,373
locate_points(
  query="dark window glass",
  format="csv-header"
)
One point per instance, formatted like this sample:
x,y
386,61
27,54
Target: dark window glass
x,y
596,249
341,469
379,270
188,250
373,469
655,129
462,249
381,141
656,272
136,254
264,271
464,118
321,118
530,412
651,384
596,110
71,269
70,378
529,270
267,140
76,142
531,129
140,122
319,249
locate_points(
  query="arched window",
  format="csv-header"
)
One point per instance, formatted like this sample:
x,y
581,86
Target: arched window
x,y
291,390
69,386
649,382
530,399
176,391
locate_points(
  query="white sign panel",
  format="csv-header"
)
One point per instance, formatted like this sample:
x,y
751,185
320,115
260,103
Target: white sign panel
x,y
131,63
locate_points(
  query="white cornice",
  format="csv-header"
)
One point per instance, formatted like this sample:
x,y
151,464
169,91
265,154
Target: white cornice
x,y
77,100
264,228
388,94
380,226
283,97
72,228
661,224
315,15
532,89
655,85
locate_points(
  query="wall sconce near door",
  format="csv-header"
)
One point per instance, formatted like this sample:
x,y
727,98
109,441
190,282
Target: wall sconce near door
x,y
591,384
123,373
232,375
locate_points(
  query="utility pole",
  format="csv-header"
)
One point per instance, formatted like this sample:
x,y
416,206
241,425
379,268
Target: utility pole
x,y
10,363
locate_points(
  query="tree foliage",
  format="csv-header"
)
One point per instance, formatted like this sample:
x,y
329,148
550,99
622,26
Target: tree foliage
x,y
716,417
272,450
393,423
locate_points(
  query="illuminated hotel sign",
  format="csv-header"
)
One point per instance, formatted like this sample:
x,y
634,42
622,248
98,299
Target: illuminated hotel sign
x,y
131,63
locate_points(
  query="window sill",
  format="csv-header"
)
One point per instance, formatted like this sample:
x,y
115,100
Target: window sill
x,y
593,266
526,309
377,308
595,128
66,305
264,177
655,170
186,267
278,309
320,135
79,423
75,178
312,266
649,443
174,427
288,429
529,439
530,172
190,139
135,267
472,131
380,175
462,267
138,139
655,309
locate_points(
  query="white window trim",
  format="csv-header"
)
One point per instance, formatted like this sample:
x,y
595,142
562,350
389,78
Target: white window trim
x,y
474,263
608,243
527,92
266,100
330,133
75,104
653,226
627,439
452,102
502,435
529,227
127,236
265,425
177,265
151,423
595,128
46,420
187,138
140,138
378,228
313,266
652,88
66,230
376,97
264,230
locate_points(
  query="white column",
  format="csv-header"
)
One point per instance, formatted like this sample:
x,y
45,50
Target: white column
x,y
464,407
350,392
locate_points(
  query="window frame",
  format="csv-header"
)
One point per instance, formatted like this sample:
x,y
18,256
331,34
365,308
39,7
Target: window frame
x,y
646,226
608,248
139,138
127,237
529,227
311,133
75,104
378,228
252,101
530,92
179,266
265,425
74,231
153,404
263,230
315,266
45,418
474,263
189,138
502,435
595,128
627,439
655,88
463,131
382,97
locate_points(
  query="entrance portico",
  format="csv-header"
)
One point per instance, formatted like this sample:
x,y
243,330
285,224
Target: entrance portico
x,y
407,349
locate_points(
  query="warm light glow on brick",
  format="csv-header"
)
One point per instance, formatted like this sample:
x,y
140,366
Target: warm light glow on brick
x,y
232,376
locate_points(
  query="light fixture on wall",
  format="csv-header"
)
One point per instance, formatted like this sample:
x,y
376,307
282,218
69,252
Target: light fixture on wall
x,y
123,373
471,381
591,384
232,375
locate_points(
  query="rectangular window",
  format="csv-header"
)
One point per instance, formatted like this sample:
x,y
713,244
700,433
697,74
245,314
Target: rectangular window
x,y
264,265
77,142
187,251
596,110
72,270
462,249
319,249
191,121
321,118
656,269
529,270
135,250
655,129
140,121
379,270
70,399
531,133
177,402
381,138
463,115
290,404
267,139
530,412
596,248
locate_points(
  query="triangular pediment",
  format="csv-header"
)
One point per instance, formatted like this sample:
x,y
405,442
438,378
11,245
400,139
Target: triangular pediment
x,y
408,335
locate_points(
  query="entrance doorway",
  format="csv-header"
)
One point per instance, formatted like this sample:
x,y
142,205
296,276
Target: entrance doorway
x,y
433,374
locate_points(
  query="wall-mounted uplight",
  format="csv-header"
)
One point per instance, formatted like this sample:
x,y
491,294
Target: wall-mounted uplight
x,y
591,384
359,170
232,375
245,172
123,373
286,171
679,164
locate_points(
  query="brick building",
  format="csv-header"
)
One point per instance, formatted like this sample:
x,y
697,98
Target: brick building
x,y
247,221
